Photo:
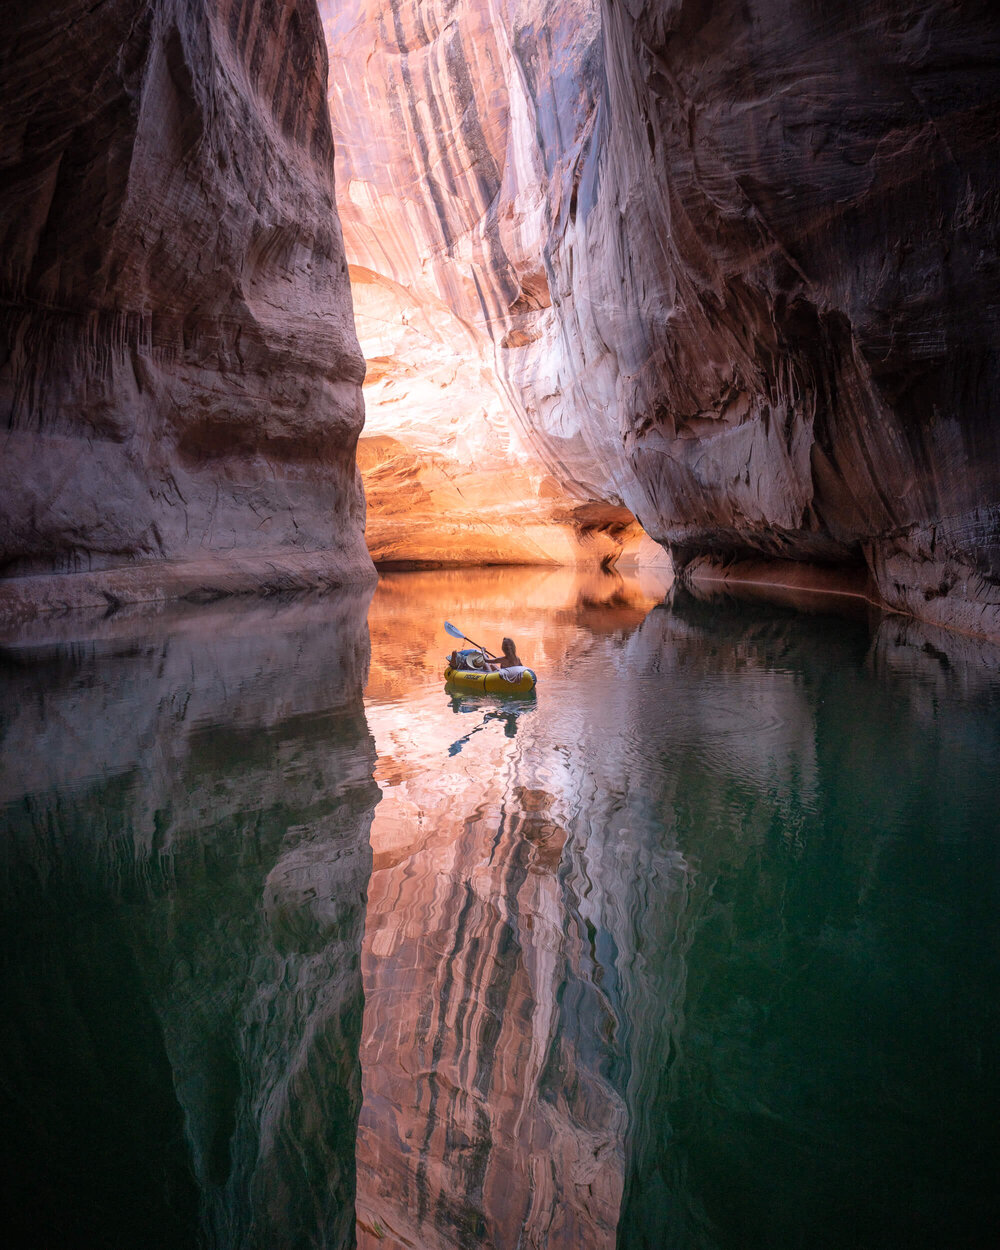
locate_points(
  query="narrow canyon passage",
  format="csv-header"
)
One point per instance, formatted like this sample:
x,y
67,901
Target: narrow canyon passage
x,y
723,276
719,280
448,286
660,336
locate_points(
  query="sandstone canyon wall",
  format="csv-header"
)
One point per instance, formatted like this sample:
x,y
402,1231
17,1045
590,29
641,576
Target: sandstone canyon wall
x,y
815,367
180,377
730,266
443,203
727,268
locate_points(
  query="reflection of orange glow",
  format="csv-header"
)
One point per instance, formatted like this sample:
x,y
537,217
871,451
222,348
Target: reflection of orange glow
x,y
406,622
461,972
470,936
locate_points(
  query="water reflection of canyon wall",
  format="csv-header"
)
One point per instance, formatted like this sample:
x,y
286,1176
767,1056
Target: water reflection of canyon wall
x,y
493,1112
689,949
186,811
697,947
821,992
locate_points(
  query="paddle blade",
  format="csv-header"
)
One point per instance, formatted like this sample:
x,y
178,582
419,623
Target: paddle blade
x,y
450,629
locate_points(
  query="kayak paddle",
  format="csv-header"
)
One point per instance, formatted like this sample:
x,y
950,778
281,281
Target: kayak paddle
x,y
457,633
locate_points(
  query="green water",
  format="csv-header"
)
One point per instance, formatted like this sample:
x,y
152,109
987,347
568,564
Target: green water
x,y
696,948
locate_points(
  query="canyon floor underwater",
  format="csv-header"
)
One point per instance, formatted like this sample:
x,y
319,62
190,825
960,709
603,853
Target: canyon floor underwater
x,y
695,947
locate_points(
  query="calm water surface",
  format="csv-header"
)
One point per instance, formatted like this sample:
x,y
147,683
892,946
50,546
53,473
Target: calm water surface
x,y
698,947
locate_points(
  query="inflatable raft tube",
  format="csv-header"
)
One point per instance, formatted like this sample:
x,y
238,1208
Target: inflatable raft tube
x,y
503,681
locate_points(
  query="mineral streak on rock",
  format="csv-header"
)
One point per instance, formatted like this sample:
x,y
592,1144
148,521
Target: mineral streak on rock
x,y
180,377
736,263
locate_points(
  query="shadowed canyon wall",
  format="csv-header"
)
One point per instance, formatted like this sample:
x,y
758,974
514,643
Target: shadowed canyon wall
x,y
818,359
185,860
180,379
731,266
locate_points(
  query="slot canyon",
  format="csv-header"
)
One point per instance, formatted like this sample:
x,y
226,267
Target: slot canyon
x,y
660,336
710,278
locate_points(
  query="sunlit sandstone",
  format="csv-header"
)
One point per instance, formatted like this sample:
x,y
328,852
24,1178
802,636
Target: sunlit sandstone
x,y
431,191
729,266
713,267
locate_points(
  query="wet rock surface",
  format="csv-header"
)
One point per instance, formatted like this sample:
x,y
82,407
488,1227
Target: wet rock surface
x,y
733,266
179,371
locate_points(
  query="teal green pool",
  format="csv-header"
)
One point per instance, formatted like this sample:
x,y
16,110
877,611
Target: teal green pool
x,y
698,946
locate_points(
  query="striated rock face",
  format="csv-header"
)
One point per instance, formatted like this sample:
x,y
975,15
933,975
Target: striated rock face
x,y
180,377
443,207
727,268
813,365
733,265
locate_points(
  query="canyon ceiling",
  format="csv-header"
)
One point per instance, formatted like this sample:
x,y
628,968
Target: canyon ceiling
x,y
729,268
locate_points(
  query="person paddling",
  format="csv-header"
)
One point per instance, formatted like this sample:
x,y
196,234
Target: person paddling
x,y
492,674
509,659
